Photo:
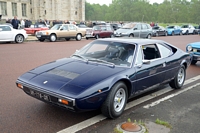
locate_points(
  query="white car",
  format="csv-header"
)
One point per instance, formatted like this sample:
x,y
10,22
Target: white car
x,y
8,34
187,29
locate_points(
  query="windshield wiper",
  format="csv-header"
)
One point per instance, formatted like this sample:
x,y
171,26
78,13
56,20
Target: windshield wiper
x,y
79,56
102,61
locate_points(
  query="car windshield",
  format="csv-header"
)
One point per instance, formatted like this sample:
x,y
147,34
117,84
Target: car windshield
x,y
96,28
184,26
128,26
56,27
107,52
170,27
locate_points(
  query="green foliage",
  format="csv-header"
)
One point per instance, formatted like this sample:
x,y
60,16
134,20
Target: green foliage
x,y
170,11
164,123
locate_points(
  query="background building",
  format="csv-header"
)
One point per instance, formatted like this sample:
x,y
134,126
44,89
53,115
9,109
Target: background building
x,y
43,9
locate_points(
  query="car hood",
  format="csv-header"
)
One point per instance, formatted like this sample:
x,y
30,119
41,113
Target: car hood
x,y
195,44
68,76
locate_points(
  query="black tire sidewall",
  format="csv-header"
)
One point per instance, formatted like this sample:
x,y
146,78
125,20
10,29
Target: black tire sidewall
x,y
111,97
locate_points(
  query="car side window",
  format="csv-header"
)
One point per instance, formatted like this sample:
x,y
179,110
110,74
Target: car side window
x,y
150,52
5,28
164,51
139,58
72,27
144,26
65,27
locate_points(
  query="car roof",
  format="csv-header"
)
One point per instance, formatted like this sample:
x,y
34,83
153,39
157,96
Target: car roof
x,y
129,40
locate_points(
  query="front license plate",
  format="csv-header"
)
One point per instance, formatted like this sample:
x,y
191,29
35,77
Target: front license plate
x,y
38,35
39,95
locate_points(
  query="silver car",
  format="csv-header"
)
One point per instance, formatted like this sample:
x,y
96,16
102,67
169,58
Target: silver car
x,y
141,30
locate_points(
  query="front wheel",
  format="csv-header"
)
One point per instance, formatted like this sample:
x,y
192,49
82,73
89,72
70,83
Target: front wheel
x,y
149,36
53,38
193,62
41,40
19,38
179,79
115,103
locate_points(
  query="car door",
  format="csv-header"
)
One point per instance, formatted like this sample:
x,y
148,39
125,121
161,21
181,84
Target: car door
x,y
63,31
72,30
103,32
149,68
137,30
6,33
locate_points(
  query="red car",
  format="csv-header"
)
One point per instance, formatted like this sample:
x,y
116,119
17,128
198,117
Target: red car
x,y
34,28
100,31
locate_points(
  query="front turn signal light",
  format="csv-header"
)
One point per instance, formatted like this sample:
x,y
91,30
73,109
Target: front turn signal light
x,y
20,86
63,101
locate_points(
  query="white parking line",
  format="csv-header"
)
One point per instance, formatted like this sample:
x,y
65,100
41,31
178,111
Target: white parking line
x,y
79,126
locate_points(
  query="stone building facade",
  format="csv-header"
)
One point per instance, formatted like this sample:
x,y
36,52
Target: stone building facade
x,y
43,9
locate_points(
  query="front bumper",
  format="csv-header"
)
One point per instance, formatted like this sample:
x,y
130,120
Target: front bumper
x,y
43,36
196,57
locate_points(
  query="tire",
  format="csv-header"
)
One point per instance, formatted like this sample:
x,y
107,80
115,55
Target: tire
x,y
78,37
131,35
156,34
149,36
19,38
193,62
67,39
186,32
53,38
41,40
97,36
86,38
179,79
165,33
172,33
116,100
111,36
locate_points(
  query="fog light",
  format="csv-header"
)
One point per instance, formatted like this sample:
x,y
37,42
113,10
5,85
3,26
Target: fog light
x,y
20,86
63,101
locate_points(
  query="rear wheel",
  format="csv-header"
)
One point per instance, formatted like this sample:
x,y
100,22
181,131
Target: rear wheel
x,y
86,38
78,37
193,62
116,101
53,38
179,79
19,38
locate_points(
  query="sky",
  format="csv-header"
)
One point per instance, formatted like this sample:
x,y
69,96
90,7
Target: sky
x,y
107,2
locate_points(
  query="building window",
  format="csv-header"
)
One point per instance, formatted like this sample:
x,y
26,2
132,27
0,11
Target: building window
x,y
24,10
14,9
3,8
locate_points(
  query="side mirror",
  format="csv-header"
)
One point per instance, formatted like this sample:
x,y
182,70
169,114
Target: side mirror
x,y
146,61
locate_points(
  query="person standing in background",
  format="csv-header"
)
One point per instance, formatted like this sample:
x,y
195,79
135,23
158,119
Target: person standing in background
x,y
22,24
15,23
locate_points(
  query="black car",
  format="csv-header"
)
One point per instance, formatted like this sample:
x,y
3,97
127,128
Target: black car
x,y
159,31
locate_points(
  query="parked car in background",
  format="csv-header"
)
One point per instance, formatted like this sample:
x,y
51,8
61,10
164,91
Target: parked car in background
x,y
197,30
100,31
66,31
8,34
105,73
187,29
173,30
35,28
115,26
159,31
194,50
141,30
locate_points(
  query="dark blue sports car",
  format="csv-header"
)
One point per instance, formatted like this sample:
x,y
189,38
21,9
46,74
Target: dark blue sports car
x,y
194,50
106,73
